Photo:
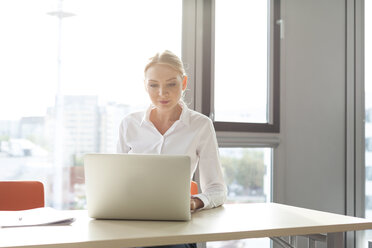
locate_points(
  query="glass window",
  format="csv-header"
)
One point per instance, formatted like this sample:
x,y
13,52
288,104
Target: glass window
x,y
247,173
368,105
70,71
244,66
241,61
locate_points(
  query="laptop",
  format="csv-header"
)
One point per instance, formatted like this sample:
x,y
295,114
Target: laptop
x,y
138,186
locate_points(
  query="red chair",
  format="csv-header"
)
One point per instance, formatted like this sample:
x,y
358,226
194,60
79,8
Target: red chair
x,y
194,188
21,195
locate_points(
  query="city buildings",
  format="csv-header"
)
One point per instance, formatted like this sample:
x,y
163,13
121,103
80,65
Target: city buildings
x,y
87,128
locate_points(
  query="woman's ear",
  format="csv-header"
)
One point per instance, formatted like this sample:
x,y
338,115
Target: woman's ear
x,y
184,82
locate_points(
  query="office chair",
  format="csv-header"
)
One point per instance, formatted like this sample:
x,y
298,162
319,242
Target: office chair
x,y
21,195
194,188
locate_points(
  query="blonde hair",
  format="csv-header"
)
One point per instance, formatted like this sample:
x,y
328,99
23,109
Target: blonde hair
x,y
167,58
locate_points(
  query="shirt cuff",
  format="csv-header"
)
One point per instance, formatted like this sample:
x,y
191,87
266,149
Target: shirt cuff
x,y
204,199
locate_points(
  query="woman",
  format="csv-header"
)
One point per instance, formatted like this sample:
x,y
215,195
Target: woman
x,y
170,127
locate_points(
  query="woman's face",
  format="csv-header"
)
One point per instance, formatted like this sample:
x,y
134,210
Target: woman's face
x,y
164,86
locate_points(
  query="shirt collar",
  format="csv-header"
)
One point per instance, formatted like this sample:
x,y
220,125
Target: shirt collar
x,y
184,117
185,114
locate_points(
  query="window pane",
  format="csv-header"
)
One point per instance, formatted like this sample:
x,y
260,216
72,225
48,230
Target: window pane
x,y
70,74
247,172
368,106
241,61
366,235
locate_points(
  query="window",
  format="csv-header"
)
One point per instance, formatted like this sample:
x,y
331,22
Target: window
x,y
368,144
368,106
71,71
247,173
243,79
237,86
82,71
241,65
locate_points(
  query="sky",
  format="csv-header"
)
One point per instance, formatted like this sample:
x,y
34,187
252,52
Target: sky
x,y
241,60
103,53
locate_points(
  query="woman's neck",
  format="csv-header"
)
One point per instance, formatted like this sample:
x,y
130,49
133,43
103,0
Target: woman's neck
x,y
166,116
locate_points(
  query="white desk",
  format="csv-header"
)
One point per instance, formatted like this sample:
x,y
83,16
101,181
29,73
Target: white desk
x,y
235,221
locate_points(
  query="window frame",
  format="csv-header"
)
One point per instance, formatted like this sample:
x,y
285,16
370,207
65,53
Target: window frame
x,y
207,78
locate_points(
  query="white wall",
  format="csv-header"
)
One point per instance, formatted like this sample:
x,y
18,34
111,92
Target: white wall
x,y
310,169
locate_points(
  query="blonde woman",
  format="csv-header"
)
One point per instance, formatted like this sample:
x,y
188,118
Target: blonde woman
x,y
170,127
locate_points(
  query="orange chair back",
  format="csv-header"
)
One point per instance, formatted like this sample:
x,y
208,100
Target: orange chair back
x,y
21,195
194,188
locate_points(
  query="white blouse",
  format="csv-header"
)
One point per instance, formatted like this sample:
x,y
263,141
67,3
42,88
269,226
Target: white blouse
x,y
193,135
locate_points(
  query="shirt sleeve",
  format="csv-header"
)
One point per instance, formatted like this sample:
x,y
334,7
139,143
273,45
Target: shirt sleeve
x,y
122,146
212,184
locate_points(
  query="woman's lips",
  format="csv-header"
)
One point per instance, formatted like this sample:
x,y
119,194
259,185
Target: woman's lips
x,y
163,102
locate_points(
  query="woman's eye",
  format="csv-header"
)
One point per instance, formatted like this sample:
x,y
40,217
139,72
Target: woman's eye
x,y
153,85
172,84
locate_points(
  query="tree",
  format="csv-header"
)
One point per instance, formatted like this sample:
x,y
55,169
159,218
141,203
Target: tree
x,y
247,170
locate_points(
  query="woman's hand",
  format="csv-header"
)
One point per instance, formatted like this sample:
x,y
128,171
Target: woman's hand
x,y
195,203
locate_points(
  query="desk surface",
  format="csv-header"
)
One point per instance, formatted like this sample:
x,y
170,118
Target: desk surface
x,y
229,222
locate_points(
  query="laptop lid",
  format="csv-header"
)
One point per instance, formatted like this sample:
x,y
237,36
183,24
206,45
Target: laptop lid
x,y
138,186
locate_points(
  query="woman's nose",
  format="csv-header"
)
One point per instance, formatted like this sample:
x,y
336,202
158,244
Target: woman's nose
x,y
163,91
